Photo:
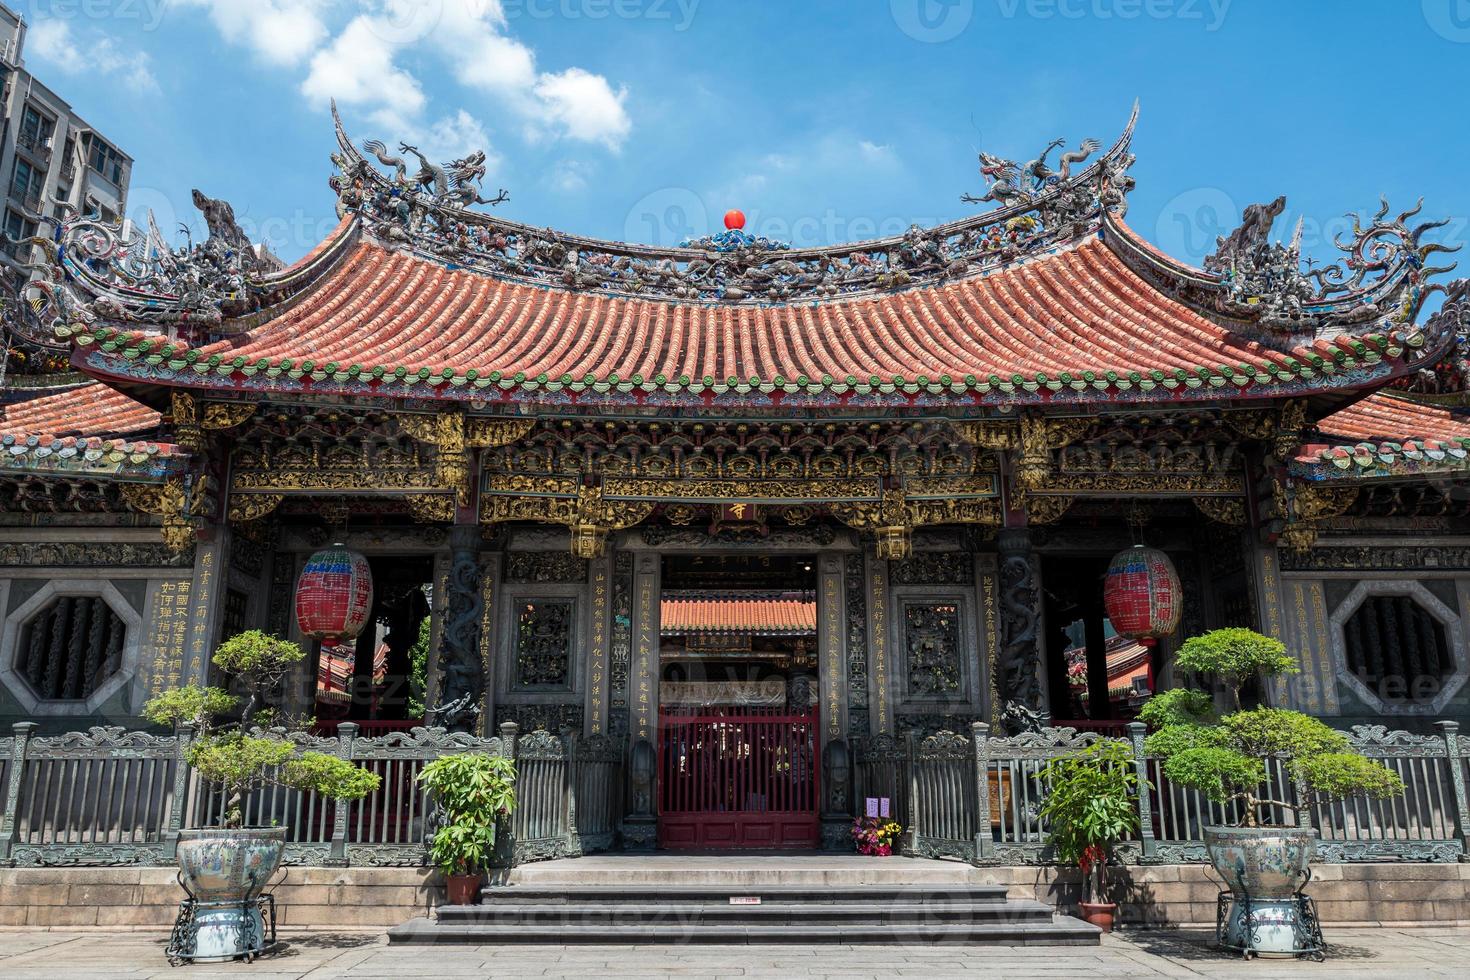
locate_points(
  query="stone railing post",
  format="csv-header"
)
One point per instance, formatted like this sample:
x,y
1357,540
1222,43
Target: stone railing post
x,y
911,834
346,734
1148,844
1450,732
8,823
505,833
569,794
183,741
984,839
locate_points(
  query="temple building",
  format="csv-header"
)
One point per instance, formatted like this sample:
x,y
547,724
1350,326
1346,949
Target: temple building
x,y
864,489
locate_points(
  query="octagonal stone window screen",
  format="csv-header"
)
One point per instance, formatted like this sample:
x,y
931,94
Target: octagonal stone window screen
x,y
1398,650
70,647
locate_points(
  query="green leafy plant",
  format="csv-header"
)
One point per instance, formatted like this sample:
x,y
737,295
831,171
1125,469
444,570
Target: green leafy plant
x,y
474,792
418,671
1226,758
227,754
1090,806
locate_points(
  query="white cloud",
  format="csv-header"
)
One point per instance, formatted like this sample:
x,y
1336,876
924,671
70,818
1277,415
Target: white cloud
x,y
52,41
357,68
586,106
282,32
569,176
363,63
874,153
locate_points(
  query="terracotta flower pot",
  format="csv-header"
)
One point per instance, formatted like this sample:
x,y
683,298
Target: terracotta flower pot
x,y
462,889
1099,914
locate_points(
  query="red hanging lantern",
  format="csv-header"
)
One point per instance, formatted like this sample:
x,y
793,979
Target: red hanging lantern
x,y
1141,593
334,595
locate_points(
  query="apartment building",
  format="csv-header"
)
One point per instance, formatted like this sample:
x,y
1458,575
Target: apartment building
x,y
48,154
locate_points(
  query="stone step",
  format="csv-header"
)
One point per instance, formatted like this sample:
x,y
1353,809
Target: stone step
x,y
746,871
1058,931
916,893
680,913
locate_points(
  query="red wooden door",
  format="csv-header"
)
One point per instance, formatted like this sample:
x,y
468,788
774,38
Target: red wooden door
x,y
742,777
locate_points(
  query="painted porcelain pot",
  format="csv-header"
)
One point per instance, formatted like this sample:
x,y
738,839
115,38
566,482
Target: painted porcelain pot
x,y
1264,868
225,871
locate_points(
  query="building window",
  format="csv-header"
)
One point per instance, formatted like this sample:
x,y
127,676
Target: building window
x,y
544,630
69,647
106,161
931,639
1398,650
35,130
26,184
17,230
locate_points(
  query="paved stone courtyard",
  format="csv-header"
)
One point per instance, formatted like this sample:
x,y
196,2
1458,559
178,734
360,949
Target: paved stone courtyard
x,y
1356,953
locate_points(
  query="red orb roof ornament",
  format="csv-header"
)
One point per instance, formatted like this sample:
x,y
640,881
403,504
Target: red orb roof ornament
x,y
734,219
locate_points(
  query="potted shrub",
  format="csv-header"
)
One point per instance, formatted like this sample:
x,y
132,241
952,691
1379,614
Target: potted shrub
x,y
1226,759
1089,807
225,868
474,792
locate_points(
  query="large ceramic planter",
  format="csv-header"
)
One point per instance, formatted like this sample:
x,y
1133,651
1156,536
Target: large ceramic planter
x,y
225,871
1265,867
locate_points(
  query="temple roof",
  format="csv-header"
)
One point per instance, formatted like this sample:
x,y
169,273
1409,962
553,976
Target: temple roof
x,y
1387,436
83,431
754,615
1049,298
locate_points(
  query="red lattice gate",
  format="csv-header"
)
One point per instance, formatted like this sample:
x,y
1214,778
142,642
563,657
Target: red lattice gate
x,y
742,777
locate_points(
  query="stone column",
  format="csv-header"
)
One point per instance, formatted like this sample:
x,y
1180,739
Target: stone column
x,y
461,674
880,659
831,652
640,828
1018,660
599,586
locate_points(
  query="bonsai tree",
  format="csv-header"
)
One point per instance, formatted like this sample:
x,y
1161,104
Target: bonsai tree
x,y
1225,758
474,792
1089,807
230,752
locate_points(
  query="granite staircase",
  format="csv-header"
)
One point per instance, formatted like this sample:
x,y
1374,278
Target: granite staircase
x,y
657,899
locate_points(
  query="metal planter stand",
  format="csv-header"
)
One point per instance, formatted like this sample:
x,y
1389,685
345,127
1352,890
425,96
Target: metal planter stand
x,y
184,939
1307,925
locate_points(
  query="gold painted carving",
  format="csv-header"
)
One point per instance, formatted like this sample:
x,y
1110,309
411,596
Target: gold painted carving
x,y
492,433
758,491
430,508
1223,510
253,506
1305,507
1046,510
1039,436
184,408
990,434
1289,428
167,501
219,416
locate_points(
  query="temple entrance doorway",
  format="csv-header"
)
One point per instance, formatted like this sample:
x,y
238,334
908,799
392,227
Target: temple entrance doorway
x,y
738,749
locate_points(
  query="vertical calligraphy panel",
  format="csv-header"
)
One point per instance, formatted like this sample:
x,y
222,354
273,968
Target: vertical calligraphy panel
x,y
880,700
597,647
644,682
833,671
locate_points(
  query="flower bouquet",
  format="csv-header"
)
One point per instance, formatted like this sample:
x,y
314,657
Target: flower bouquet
x,y
875,836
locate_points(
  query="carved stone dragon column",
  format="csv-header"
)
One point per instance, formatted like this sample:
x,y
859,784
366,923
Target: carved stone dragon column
x,y
1018,661
461,674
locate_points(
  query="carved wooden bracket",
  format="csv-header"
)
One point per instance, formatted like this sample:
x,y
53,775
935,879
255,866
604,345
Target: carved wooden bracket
x,y
454,436
168,501
253,506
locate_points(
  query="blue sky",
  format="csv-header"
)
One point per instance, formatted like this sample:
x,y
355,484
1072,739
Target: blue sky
x,y
825,120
